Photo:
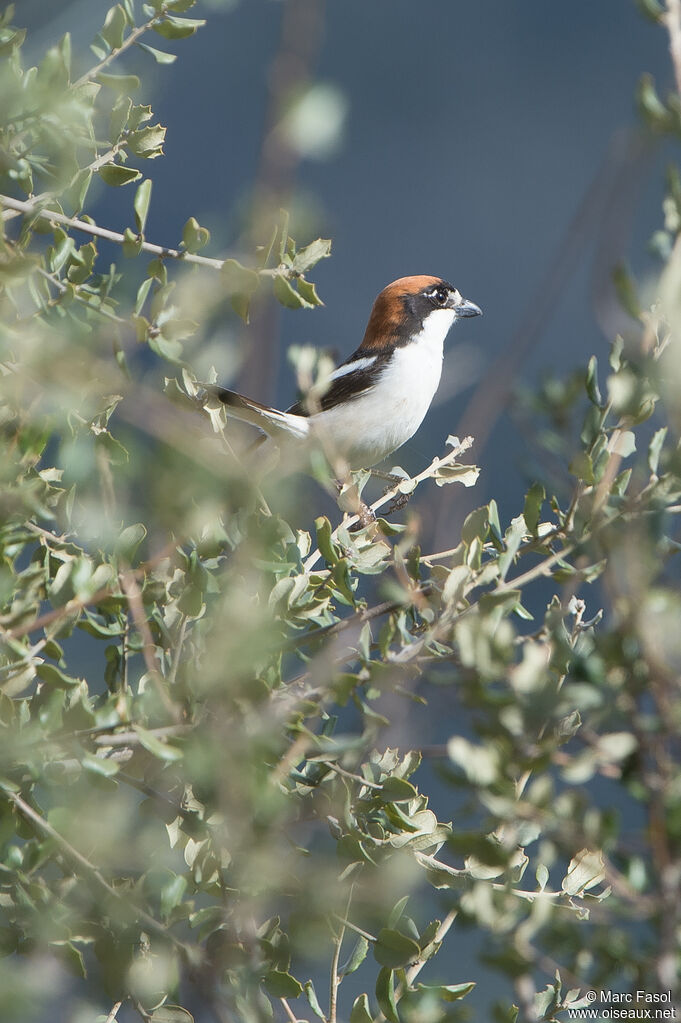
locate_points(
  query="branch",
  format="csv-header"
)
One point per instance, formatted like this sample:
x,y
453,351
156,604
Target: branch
x,y
112,236
125,45
130,587
111,1018
437,463
368,615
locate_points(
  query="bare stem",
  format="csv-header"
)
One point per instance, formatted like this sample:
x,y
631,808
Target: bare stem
x,y
111,1018
335,979
103,232
130,587
288,1010
125,45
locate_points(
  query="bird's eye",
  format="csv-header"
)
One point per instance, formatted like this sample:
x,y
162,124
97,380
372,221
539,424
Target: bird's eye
x,y
440,296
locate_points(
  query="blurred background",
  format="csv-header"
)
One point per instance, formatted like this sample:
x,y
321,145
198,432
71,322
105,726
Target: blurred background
x,y
495,144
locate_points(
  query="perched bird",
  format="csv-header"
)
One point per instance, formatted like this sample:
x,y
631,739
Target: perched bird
x,y
377,399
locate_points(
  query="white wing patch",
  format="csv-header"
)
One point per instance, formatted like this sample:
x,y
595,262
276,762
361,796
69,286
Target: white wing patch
x,y
352,367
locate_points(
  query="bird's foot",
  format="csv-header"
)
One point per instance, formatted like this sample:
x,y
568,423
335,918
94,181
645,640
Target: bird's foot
x,y
398,503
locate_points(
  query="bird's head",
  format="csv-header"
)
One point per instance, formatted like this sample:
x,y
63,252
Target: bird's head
x,y
411,305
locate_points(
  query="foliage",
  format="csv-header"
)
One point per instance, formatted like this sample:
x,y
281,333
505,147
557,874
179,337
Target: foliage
x,y
198,808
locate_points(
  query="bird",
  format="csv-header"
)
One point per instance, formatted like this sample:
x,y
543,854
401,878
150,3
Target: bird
x,y
376,400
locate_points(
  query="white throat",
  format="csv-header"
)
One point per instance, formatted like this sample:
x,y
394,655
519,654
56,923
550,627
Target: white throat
x,y
435,328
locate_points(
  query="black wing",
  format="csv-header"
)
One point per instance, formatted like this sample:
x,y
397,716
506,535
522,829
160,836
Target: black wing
x,y
350,384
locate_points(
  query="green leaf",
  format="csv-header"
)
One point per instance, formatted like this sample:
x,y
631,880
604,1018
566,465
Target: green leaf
x,y
585,871
115,174
397,911
129,540
241,284
533,503
396,790
385,994
542,875
581,466
512,539
623,443
282,985
357,957
480,764
467,475
132,244
114,27
591,382
139,115
177,28
157,747
141,203
173,893
160,56
309,292
309,256
123,84
448,992
53,676
311,996
626,291
655,449
651,9
475,526
394,950
98,765
142,293
177,329
77,191
194,237
287,295
147,143
655,113
326,546
171,1014
360,1012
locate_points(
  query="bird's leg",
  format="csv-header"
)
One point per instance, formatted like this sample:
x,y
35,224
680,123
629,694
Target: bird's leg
x,y
393,480
398,503
388,477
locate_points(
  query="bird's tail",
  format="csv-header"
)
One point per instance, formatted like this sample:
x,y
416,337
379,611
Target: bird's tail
x,y
270,420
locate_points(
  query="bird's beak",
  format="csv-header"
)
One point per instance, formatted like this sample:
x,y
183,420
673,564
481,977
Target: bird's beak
x,y
466,308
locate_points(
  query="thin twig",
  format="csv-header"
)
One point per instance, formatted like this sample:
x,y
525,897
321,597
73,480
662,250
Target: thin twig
x,y
353,927
288,1010
368,615
111,1018
350,776
130,587
177,653
335,979
133,739
125,45
112,236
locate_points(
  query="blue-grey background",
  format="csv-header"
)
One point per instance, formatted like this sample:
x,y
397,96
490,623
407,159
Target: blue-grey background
x,y
473,132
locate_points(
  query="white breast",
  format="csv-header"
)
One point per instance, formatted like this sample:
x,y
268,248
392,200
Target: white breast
x,y
367,429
